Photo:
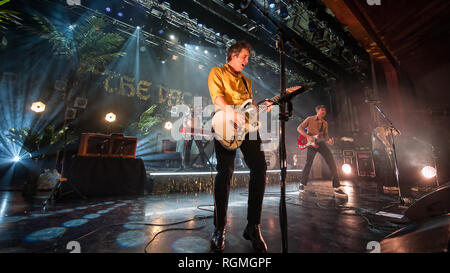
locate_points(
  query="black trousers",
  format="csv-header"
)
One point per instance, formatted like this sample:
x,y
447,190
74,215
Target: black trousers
x,y
255,160
187,152
385,174
329,159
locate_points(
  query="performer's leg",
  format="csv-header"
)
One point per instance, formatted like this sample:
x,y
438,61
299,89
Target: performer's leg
x,y
329,159
310,154
225,168
187,153
255,160
201,150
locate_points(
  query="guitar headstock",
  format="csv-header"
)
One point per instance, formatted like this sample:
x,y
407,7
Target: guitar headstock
x,y
293,89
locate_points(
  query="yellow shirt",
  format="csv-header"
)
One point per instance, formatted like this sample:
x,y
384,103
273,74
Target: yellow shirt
x,y
315,126
222,82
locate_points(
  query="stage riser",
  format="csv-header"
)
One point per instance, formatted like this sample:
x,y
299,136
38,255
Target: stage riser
x,y
204,183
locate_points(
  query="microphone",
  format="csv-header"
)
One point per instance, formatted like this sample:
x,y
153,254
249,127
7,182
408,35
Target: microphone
x,y
245,3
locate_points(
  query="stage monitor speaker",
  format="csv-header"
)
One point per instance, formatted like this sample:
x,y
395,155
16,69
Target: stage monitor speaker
x,y
430,205
364,164
431,236
169,146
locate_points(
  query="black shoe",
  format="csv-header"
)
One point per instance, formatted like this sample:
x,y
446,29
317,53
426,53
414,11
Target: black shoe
x,y
253,233
340,193
218,240
301,188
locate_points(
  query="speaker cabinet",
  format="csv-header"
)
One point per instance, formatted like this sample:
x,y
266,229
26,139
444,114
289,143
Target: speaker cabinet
x,y
364,164
169,146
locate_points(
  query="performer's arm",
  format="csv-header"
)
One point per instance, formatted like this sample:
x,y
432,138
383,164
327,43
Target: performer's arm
x,y
381,135
329,140
301,130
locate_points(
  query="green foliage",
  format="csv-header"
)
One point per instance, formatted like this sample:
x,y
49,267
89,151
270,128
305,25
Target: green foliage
x,y
147,120
87,45
7,16
39,145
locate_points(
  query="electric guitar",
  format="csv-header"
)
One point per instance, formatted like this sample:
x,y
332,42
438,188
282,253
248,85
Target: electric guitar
x,y
231,135
303,142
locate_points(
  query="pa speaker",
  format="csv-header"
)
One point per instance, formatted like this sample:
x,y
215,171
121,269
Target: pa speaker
x,y
430,205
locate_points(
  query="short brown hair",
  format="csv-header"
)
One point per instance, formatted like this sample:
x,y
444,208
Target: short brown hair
x,y
237,47
318,107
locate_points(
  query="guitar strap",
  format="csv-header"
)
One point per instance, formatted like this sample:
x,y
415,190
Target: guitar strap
x,y
245,84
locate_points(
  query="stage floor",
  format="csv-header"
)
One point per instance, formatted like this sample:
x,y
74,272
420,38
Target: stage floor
x,y
317,222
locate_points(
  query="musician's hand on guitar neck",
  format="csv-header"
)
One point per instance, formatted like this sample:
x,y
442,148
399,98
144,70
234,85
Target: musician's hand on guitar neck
x,y
330,141
310,138
268,104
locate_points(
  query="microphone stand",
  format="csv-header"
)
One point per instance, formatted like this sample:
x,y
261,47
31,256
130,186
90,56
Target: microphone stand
x,y
284,116
394,152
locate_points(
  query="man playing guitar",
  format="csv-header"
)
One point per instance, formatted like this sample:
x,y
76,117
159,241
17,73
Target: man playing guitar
x,y
317,131
229,87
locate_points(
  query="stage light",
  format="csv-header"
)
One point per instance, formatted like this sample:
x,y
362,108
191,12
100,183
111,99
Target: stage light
x,y
272,4
138,27
206,51
428,172
197,48
200,66
200,25
16,159
346,168
174,57
172,37
160,31
72,27
73,2
168,125
163,61
108,9
120,14
38,107
110,117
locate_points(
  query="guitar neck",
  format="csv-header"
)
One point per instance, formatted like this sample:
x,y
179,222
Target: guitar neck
x,y
274,99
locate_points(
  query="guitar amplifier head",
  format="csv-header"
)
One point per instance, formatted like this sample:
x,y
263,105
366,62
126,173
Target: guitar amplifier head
x,y
94,144
123,146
